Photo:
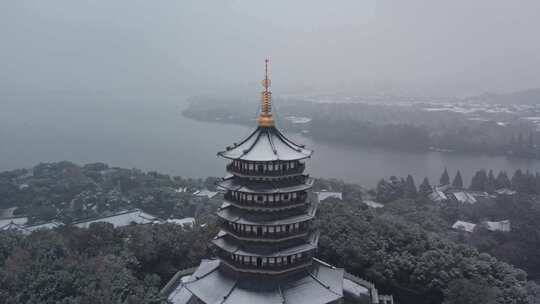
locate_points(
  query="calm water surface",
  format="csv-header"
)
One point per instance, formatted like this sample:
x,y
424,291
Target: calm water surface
x,y
151,134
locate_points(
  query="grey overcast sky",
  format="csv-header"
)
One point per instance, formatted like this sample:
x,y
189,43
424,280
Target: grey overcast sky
x,y
450,47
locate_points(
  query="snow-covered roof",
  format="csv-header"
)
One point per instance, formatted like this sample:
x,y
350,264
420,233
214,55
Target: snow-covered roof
x,y
205,193
498,226
266,144
208,284
13,220
373,204
355,289
44,226
13,227
505,191
464,197
322,195
190,221
438,196
125,218
464,226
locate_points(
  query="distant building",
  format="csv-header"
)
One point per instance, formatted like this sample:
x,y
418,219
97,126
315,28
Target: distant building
x,y
205,193
189,221
372,204
438,196
121,219
503,226
21,224
12,227
44,226
324,194
505,192
464,226
20,221
462,197
298,119
181,190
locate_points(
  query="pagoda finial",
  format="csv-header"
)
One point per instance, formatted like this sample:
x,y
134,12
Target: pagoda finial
x,y
265,118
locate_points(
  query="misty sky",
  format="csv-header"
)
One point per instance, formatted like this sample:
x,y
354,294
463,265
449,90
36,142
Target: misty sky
x,y
452,47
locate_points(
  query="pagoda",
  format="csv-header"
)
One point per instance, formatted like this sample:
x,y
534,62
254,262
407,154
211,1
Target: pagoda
x,y
266,244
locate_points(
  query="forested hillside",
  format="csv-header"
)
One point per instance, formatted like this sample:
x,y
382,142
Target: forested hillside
x,y
407,247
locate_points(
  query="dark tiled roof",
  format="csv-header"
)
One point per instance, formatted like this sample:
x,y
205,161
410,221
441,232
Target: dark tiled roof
x,y
266,144
235,215
321,284
279,186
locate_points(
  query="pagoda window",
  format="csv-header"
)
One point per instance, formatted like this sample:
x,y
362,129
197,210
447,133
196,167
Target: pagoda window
x,y
278,228
286,197
265,229
296,226
271,229
260,168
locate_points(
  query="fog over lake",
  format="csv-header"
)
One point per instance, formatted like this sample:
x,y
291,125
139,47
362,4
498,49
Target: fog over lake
x,y
149,132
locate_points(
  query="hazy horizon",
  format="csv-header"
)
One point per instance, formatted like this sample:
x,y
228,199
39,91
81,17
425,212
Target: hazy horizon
x,y
446,48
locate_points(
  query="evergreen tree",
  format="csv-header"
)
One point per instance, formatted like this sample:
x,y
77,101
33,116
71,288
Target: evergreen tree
x,y
458,181
479,181
490,183
502,181
463,291
518,182
410,187
445,178
425,188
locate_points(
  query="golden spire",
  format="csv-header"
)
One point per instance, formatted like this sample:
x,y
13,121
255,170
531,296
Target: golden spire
x,y
265,118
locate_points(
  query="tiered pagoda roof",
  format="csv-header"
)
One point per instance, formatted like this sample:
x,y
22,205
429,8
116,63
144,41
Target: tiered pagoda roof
x,y
234,215
320,284
302,182
266,144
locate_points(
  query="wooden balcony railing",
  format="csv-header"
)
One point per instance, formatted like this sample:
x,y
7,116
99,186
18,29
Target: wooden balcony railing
x,y
255,236
259,265
256,172
299,200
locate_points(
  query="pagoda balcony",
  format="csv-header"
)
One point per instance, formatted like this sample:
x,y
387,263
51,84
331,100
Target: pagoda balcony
x,y
270,237
262,173
266,205
257,266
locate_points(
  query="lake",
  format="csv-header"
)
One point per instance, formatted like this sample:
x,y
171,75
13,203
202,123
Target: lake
x,y
149,132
